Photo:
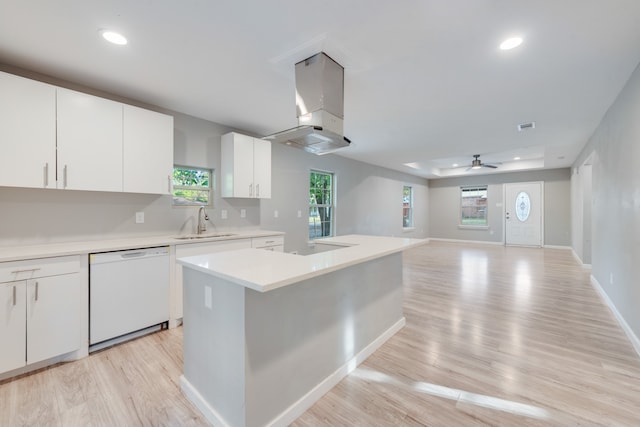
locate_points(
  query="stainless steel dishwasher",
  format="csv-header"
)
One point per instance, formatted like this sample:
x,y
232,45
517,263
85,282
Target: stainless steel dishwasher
x,y
128,294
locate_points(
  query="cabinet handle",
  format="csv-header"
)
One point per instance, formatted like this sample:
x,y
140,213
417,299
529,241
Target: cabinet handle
x,y
257,190
14,295
270,241
46,174
64,177
250,190
37,291
25,270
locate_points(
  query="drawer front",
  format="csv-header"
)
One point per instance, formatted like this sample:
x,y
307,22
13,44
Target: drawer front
x,y
277,248
42,267
204,248
262,242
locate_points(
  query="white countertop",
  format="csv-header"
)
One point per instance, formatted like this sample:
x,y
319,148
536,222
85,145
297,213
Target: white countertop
x,y
21,252
263,271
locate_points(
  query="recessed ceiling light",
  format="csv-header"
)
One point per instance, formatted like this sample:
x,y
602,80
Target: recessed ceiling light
x,y
113,37
455,165
511,43
516,158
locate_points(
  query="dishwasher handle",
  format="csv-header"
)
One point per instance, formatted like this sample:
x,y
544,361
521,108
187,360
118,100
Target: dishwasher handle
x,y
128,255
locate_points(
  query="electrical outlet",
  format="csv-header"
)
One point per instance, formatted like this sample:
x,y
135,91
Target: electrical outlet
x,y
139,217
299,214
275,214
611,278
223,214
243,213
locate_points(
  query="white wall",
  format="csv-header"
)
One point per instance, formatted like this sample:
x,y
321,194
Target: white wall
x,y
614,150
444,202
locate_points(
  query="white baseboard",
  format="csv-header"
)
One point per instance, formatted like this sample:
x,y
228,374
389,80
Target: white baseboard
x,y
465,241
577,258
558,247
635,342
196,398
305,402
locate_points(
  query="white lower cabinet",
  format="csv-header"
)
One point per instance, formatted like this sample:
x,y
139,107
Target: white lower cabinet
x,y
269,243
53,316
40,315
203,248
13,325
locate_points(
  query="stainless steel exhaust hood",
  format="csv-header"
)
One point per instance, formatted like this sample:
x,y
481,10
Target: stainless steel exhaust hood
x,y
319,105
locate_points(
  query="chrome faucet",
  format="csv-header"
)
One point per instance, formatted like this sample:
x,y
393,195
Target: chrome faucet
x,y
202,220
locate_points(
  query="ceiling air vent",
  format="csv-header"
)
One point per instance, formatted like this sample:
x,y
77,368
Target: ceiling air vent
x,y
526,126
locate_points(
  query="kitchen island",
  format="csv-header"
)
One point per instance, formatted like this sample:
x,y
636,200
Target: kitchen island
x,y
266,334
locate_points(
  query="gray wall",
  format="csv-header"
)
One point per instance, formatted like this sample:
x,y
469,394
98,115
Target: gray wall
x,y
369,198
444,202
614,152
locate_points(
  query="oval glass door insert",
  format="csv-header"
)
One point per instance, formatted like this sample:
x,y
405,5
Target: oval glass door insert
x,y
523,206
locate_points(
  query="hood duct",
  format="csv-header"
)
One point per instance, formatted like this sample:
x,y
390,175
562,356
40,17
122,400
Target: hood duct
x,y
319,105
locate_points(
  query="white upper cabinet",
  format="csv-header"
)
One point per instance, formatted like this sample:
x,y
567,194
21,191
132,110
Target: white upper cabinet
x,y
245,166
89,142
52,137
27,133
262,168
148,151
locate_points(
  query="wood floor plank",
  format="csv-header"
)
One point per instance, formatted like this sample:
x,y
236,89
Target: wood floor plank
x,y
495,336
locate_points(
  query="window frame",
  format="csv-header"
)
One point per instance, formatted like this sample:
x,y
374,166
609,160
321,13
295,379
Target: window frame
x,y
331,206
477,226
411,225
210,188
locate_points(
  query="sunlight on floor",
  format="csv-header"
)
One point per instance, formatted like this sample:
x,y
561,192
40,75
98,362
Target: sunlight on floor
x,y
461,396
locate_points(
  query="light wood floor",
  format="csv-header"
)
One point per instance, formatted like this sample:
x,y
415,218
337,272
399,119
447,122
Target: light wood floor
x,y
494,336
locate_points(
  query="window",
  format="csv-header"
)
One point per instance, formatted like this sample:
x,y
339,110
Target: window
x,y
407,207
473,206
192,186
320,204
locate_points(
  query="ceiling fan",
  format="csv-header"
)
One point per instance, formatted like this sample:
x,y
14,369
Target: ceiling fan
x,y
476,163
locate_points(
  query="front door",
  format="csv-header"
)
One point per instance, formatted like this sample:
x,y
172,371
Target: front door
x,y
523,214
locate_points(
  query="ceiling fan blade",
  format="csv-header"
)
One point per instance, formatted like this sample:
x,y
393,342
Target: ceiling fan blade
x,y
468,169
490,166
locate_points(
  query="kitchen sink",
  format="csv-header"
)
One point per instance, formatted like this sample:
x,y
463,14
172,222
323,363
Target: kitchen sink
x,y
203,236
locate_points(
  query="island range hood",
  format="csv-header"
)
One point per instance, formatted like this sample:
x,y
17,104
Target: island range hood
x,y
319,105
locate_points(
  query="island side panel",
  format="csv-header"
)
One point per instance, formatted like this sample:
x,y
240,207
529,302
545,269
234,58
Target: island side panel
x,y
299,335
214,343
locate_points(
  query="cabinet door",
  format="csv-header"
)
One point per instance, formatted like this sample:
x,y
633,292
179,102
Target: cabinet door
x,y
27,133
237,165
13,319
200,249
148,151
89,142
262,168
53,316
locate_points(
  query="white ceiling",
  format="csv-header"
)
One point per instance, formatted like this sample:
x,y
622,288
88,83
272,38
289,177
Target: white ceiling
x,y
424,80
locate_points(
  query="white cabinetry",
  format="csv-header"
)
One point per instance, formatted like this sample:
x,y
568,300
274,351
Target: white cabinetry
x,y
27,133
52,137
89,142
245,166
40,310
148,151
13,326
270,243
202,248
